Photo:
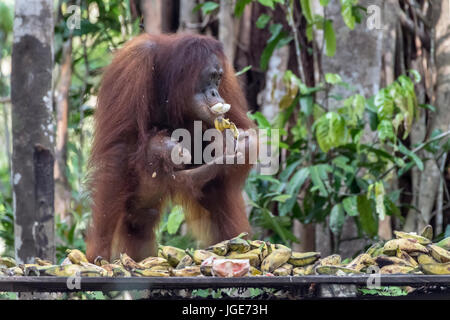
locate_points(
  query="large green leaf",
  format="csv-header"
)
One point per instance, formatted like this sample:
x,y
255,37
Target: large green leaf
x,y
369,223
350,205
331,131
293,188
277,36
337,219
319,174
347,12
385,131
330,39
176,218
306,10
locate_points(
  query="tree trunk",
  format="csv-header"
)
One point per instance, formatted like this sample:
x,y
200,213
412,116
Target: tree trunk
x,y
152,11
62,188
441,119
189,20
33,130
226,28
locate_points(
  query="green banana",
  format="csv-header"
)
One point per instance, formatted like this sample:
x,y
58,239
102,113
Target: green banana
x,y
406,235
172,254
444,243
440,254
185,262
252,256
238,245
154,261
425,259
427,232
220,248
436,268
334,270
299,259
150,273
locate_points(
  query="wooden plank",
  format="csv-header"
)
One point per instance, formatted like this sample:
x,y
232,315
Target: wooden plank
x,y
60,284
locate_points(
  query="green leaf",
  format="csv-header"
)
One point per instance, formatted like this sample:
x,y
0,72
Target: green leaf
x,y
369,223
262,121
318,174
331,131
306,10
262,21
385,131
324,3
384,105
240,7
176,218
277,35
267,3
337,219
330,39
332,78
416,74
379,200
347,12
410,155
209,7
282,198
244,70
350,205
428,107
293,188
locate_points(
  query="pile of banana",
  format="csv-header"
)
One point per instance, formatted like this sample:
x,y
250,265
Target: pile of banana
x,y
407,253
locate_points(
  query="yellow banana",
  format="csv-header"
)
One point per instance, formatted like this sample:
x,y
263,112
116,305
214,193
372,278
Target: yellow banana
x,y
425,259
115,270
200,255
100,261
406,235
128,263
388,260
185,262
76,256
191,271
90,267
238,245
427,232
252,256
405,256
150,273
220,248
332,260
375,249
440,254
277,258
360,262
300,259
154,261
284,270
332,270
254,271
299,271
63,271
7,262
395,268
409,245
42,262
436,268
172,254
14,271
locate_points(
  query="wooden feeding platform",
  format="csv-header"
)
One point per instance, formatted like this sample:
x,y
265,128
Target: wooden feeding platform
x,y
314,286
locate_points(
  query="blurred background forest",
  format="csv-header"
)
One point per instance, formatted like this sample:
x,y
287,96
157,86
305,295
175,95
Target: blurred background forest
x,y
360,90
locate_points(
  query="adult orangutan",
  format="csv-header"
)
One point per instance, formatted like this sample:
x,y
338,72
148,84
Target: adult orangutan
x,y
154,85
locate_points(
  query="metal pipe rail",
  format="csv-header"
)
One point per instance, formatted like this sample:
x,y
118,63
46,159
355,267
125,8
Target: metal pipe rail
x,y
60,284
